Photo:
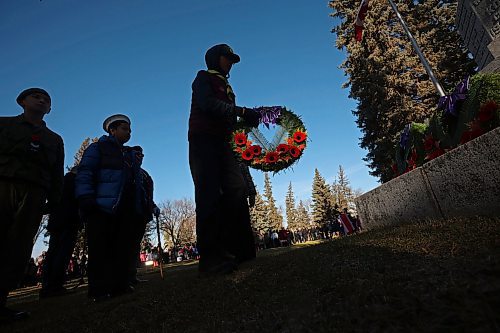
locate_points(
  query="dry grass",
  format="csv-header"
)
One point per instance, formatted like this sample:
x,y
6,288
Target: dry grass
x,y
436,276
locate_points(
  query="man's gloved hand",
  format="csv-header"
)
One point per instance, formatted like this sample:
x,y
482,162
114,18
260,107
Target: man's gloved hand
x,y
250,116
46,209
251,201
87,205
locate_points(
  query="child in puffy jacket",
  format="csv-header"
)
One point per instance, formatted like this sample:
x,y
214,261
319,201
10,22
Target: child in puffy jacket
x,y
107,187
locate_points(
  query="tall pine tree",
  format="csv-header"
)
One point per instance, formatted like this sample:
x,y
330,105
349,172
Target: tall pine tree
x,y
385,75
322,206
342,191
303,218
290,209
258,215
273,216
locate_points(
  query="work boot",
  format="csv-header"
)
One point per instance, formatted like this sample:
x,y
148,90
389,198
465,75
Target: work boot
x,y
100,298
136,281
52,292
99,295
216,266
128,289
10,315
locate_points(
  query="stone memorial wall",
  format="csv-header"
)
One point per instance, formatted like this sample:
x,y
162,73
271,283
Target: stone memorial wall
x,y
461,183
478,23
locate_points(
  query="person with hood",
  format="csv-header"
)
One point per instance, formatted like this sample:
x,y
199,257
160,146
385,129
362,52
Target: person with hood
x,y
220,187
31,181
106,187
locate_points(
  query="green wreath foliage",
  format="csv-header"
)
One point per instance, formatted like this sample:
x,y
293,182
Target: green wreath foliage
x,y
286,148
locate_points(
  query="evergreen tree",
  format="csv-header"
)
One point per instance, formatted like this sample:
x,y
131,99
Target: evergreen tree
x,y
322,205
335,194
385,75
291,211
273,216
343,190
258,215
303,219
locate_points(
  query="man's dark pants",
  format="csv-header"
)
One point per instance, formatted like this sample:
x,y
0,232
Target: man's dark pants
x,y
137,232
61,245
21,211
222,213
109,246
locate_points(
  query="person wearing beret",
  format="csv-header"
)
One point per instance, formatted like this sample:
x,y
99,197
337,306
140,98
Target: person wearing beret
x,y
223,230
105,187
31,181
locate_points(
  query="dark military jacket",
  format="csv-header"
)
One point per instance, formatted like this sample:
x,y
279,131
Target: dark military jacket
x,y
212,107
32,154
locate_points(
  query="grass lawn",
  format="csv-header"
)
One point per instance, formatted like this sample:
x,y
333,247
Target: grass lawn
x,y
438,276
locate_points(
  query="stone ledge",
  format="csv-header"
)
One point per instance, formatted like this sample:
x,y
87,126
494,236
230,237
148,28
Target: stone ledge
x,y
463,182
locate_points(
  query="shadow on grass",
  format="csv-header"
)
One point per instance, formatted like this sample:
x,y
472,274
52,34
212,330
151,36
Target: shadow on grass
x,y
431,276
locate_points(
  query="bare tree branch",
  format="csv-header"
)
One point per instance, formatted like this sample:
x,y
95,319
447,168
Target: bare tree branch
x,y
41,228
178,221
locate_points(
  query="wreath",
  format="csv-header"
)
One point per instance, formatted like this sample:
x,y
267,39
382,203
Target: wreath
x,y
287,146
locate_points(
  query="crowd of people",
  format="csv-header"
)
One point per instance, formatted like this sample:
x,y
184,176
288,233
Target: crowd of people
x,y
287,237
76,269
170,254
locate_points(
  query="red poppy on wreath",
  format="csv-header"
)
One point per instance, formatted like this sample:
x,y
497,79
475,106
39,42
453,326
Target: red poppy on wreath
x,y
256,150
436,153
247,155
395,171
412,162
299,136
258,156
475,129
430,143
272,157
487,111
282,148
294,151
465,137
240,139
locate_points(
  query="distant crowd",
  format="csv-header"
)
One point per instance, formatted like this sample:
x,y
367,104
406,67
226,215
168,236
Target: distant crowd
x,y
344,224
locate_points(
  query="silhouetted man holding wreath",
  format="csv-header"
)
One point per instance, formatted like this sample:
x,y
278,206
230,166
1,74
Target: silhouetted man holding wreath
x,y
222,215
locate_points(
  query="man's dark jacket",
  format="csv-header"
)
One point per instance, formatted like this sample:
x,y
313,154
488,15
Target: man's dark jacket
x,y
213,102
32,154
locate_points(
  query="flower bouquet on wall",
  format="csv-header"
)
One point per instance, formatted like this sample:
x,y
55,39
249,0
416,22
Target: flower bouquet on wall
x,y
470,111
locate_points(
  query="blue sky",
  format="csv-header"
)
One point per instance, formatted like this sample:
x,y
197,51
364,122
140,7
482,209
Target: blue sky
x,y
97,58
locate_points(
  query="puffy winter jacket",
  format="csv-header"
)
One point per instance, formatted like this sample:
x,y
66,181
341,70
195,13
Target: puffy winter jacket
x,y
101,173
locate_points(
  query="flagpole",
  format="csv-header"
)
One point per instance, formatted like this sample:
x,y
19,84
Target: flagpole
x,y
419,52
